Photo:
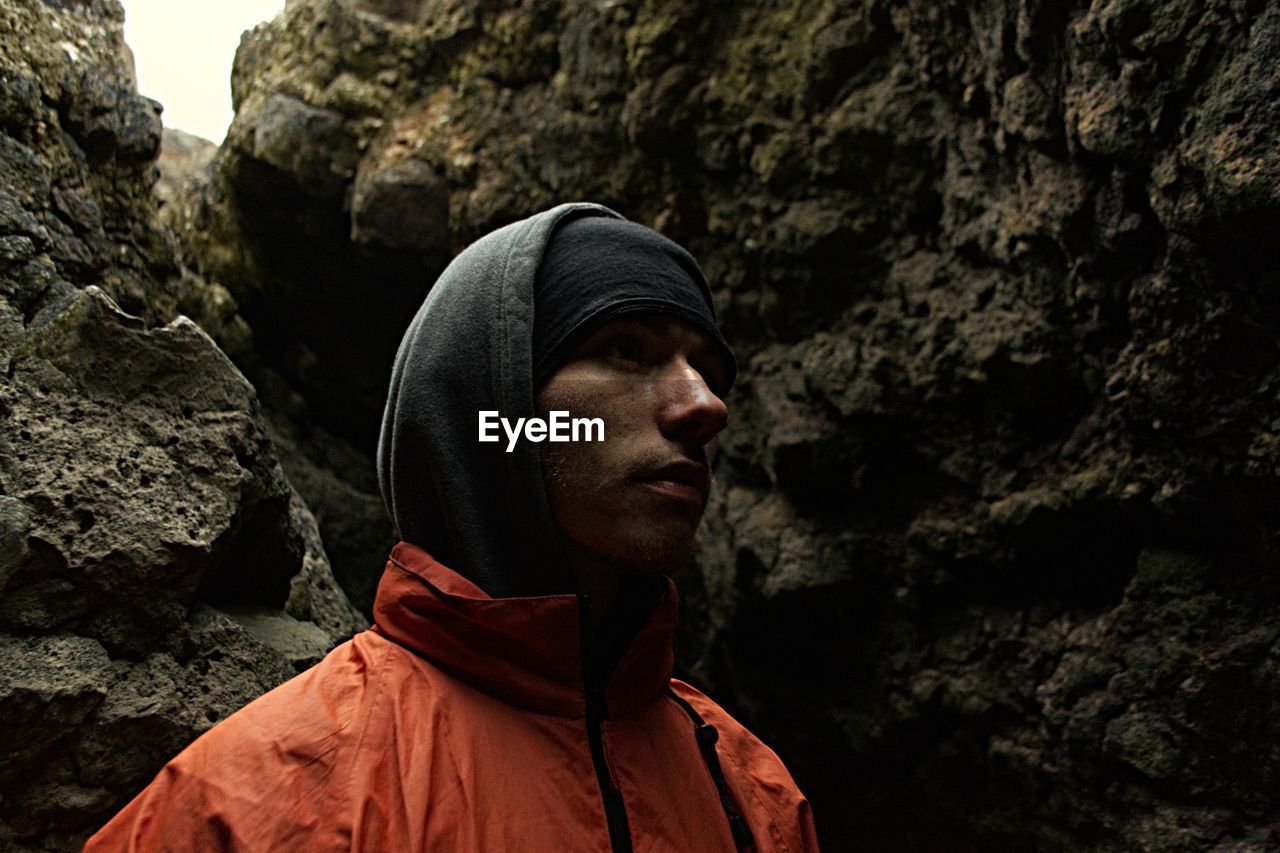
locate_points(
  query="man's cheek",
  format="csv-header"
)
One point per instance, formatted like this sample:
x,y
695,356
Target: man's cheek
x,y
713,449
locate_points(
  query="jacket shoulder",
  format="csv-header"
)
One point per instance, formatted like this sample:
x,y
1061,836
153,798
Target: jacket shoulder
x,y
263,777
763,781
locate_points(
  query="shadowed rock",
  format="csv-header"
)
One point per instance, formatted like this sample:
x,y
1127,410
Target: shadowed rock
x,y
1002,278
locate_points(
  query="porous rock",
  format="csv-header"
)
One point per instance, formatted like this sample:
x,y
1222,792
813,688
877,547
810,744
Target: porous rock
x,y
139,490
106,418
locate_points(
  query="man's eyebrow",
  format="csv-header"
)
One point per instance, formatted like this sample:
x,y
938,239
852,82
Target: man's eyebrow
x,y
704,348
652,322
660,324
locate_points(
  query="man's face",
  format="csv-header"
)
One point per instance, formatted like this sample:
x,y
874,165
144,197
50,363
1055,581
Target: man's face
x,y
634,500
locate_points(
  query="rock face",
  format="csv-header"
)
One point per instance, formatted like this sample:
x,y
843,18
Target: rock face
x,y
184,158
157,570
993,561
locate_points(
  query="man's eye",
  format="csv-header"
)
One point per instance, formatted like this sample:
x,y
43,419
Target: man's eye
x,y
626,349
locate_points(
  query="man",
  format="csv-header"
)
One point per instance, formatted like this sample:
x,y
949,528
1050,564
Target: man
x,y
516,691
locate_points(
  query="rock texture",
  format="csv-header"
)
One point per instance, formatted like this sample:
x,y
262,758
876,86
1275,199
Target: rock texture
x,y
157,570
183,162
994,560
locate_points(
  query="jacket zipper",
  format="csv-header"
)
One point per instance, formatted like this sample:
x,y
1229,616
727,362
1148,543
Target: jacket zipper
x,y
615,811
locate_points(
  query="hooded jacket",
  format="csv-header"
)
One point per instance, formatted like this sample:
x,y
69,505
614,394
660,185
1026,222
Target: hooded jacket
x,y
478,713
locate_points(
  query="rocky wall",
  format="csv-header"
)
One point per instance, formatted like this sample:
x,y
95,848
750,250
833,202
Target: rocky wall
x,y
993,557
993,560
157,570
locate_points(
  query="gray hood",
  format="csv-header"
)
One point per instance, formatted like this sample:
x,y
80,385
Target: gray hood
x,y
481,511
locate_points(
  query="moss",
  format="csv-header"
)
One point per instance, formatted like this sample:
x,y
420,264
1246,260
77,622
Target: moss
x,y
517,49
760,66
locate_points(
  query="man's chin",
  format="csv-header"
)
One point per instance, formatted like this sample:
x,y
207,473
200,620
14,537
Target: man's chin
x,y
659,554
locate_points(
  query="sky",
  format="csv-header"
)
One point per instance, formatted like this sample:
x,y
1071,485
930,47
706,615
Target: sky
x,y
182,50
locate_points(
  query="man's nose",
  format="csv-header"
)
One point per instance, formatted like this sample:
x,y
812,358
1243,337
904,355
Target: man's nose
x,y
691,411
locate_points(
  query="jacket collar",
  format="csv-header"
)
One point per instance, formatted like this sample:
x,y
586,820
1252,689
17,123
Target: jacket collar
x,y
526,650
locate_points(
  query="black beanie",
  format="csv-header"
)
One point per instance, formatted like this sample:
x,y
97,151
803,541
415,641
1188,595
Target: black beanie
x,y
598,269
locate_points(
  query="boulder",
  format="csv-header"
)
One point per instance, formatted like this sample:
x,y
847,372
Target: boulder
x,y
142,499
138,455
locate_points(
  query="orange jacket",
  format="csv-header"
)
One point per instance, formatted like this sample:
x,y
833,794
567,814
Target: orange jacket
x,y
461,723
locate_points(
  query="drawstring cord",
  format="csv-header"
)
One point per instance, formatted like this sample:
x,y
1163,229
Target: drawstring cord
x,y
706,735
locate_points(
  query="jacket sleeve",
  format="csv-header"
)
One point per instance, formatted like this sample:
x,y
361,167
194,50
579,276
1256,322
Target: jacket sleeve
x,y
177,811
265,778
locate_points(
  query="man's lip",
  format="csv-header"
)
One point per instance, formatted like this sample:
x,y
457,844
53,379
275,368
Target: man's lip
x,y
683,477
677,491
